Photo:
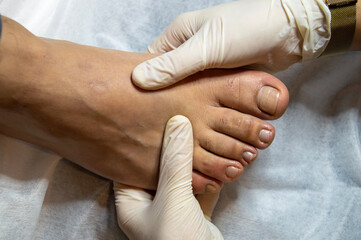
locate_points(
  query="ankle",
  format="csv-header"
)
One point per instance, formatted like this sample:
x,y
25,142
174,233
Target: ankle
x,y
21,54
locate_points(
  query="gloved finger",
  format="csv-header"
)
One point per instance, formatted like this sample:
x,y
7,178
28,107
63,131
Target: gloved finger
x,y
175,180
208,203
178,32
130,193
170,67
130,202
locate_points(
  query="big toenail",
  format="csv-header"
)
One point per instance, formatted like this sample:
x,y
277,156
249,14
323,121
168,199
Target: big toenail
x,y
232,172
265,136
248,156
211,189
268,99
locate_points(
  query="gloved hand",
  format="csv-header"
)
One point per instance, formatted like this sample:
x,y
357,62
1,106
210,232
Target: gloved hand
x,y
174,212
269,35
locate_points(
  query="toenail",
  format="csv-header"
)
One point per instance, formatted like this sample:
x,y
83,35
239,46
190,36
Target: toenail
x,y
265,136
211,189
233,172
268,99
248,156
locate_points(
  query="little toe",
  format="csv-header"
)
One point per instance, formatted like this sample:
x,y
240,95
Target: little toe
x,y
214,166
253,92
244,127
203,184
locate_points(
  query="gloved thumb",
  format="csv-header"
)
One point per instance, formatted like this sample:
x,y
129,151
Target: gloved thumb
x,y
131,207
180,212
175,172
171,67
175,180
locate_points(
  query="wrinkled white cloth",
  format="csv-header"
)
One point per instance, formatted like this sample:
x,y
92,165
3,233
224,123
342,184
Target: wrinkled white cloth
x,y
305,186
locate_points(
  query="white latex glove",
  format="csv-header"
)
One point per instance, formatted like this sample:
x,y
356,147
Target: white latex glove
x,y
269,35
174,212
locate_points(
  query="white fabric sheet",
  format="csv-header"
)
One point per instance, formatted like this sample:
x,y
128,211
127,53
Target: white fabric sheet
x,y
305,186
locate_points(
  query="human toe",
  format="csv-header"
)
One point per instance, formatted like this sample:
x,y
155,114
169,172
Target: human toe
x,y
217,167
228,147
203,184
244,127
253,92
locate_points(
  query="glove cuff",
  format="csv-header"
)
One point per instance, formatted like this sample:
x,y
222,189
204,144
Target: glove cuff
x,y
312,19
343,24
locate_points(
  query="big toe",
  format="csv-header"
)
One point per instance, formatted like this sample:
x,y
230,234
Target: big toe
x,y
254,92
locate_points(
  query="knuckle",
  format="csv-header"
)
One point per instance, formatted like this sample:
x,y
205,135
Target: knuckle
x,y
209,166
247,126
235,148
225,118
208,143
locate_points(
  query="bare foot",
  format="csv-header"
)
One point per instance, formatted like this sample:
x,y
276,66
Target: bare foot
x,y
80,103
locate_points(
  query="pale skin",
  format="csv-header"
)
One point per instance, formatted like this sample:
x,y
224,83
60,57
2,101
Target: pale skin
x,y
79,102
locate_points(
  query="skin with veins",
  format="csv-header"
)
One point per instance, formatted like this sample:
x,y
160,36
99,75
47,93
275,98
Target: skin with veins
x,y
79,102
